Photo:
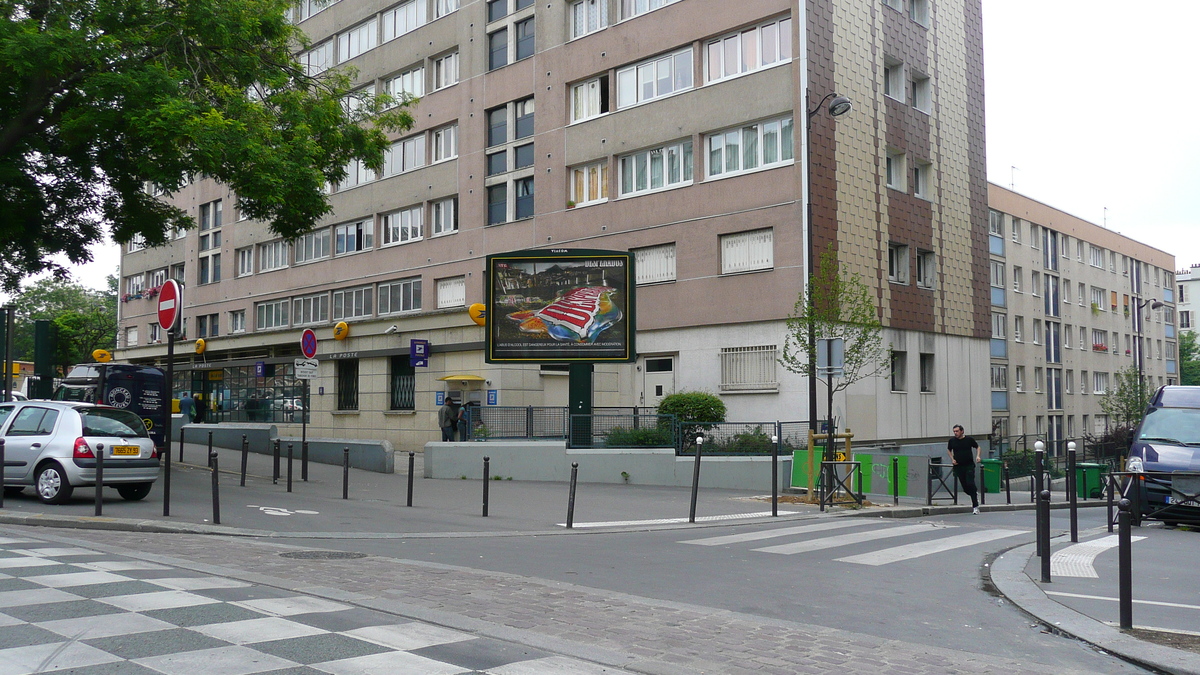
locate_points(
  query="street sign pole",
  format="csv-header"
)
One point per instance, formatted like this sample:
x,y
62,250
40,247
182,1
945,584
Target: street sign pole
x,y
170,302
304,435
308,347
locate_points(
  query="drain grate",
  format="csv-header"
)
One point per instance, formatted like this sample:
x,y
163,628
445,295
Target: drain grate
x,y
323,555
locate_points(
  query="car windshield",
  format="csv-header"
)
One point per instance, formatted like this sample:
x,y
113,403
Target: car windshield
x,y
1168,425
110,422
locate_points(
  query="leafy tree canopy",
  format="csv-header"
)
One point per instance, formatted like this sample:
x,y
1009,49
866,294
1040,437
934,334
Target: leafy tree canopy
x,y
1189,358
1125,403
100,96
84,319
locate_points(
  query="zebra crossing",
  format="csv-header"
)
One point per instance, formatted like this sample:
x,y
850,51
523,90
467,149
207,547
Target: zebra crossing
x,y
833,534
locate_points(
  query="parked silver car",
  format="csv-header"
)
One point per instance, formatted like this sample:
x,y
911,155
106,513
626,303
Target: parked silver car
x,y
52,446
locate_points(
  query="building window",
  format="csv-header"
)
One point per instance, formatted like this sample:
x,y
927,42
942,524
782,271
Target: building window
x,y
525,39
404,155
313,246
497,120
310,309
589,184
1019,378
210,269
445,71
1097,256
921,173
347,384
654,78
237,321
362,38
444,7
210,242
926,269
632,8
158,277
207,325
655,264
750,49
1097,299
177,272
245,261
1100,383
999,378
352,303
400,296
352,237
898,263
357,174
922,93
306,8
747,251
272,256
498,49
918,10
402,384
588,16
894,167
272,314
659,168
1185,318
589,99
1016,231
444,216
318,59
1018,328
1035,281
452,292
407,84
759,145
999,326
1037,331
749,368
497,204
445,143
402,226
927,373
893,78
1018,274
403,19
1068,336
135,284
898,366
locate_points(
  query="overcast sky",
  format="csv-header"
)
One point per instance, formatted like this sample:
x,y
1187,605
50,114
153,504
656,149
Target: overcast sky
x,y
1093,102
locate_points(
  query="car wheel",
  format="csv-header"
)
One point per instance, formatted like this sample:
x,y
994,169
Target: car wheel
x,y
134,491
52,485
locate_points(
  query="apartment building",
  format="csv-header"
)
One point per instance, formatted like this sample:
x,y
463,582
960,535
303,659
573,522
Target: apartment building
x,y
1187,285
1072,304
675,129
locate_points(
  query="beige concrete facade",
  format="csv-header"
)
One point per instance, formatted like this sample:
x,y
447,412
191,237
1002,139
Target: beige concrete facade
x,y
1098,339
712,304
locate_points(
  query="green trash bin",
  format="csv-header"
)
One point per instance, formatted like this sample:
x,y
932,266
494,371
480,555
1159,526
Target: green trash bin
x,y
992,470
1087,480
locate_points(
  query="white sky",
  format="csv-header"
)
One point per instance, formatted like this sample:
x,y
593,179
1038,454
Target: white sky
x,y
1090,101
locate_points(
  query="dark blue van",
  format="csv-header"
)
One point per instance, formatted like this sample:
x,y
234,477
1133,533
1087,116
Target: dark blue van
x,y
1168,440
140,389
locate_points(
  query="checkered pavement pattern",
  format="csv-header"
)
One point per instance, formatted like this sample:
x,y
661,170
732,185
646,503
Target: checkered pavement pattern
x,y
74,610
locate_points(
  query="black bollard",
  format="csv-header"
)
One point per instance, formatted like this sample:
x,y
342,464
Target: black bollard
x,y
304,461
289,477
210,450
1125,565
167,479
486,473
180,445
245,458
412,465
775,474
1044,533
1039,468
895,481
1,473
1007,484
571,499
99,478
981,485
216,487
695,480
345,473
1111,486
275,472
1072,493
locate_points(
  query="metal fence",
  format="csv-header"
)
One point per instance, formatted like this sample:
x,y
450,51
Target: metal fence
x,y
508,422
731,438
1018,452
624,431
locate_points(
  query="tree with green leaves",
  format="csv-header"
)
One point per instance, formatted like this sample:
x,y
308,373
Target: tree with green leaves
x,y
84,319
1125,402
105,96
836,305
1189,358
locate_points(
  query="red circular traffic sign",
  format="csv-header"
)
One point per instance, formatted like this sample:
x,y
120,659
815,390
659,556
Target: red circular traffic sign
x,y
308,343
170,301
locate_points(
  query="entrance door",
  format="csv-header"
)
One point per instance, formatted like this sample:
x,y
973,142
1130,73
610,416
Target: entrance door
x,y
658,379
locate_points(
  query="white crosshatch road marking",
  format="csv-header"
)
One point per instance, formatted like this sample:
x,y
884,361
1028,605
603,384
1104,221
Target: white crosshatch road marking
x,y
675,521
1079,560
924,548
848,539
77,579
780,532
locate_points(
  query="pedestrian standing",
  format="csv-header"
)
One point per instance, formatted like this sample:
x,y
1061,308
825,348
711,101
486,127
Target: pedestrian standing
x,y
448,419
964,455
186,407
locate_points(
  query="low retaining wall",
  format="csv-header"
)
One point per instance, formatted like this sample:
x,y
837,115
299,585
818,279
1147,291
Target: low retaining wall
x,y
377,456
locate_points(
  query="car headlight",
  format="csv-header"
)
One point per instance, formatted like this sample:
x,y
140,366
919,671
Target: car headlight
x,y
1134,464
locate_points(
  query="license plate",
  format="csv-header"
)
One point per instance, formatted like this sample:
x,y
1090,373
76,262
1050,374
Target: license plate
x,y
1181,500
126,450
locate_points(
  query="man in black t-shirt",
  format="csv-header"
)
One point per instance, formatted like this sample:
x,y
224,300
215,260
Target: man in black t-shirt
x,y
964,454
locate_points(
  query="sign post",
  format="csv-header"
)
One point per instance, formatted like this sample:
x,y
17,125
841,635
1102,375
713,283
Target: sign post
x,y
170,305
308,346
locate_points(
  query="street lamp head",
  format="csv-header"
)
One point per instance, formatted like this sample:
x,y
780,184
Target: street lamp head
x,y
1156,305
840,105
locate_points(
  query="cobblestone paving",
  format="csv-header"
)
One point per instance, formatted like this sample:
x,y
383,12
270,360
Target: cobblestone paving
x,y
620,630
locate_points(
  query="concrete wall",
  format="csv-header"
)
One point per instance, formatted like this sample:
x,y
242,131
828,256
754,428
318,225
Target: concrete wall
x,y
378,456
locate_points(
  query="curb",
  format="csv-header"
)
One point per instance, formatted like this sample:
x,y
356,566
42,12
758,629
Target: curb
x,y
922,510
1007,573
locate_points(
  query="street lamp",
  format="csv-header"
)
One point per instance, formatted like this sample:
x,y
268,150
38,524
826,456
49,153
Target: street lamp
x,y
1141,346
838,105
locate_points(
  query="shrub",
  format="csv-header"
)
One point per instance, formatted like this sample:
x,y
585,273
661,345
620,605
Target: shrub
x,y
696,411
620,437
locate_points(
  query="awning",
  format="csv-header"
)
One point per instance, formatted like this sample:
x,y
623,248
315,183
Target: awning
x,y
462,378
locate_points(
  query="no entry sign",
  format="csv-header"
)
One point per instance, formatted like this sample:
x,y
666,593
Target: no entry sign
x,y
170,305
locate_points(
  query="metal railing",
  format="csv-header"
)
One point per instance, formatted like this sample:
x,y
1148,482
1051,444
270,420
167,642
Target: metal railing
x,y
1180,491
735,439
624,431
508,422
840,484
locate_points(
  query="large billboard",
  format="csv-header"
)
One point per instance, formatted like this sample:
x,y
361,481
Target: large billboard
x,y
560,305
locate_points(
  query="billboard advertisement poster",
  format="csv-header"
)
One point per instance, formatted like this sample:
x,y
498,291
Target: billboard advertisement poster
x,y
560,305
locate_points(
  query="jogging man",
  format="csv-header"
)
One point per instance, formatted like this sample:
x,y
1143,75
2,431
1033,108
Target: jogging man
x,y
964,455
